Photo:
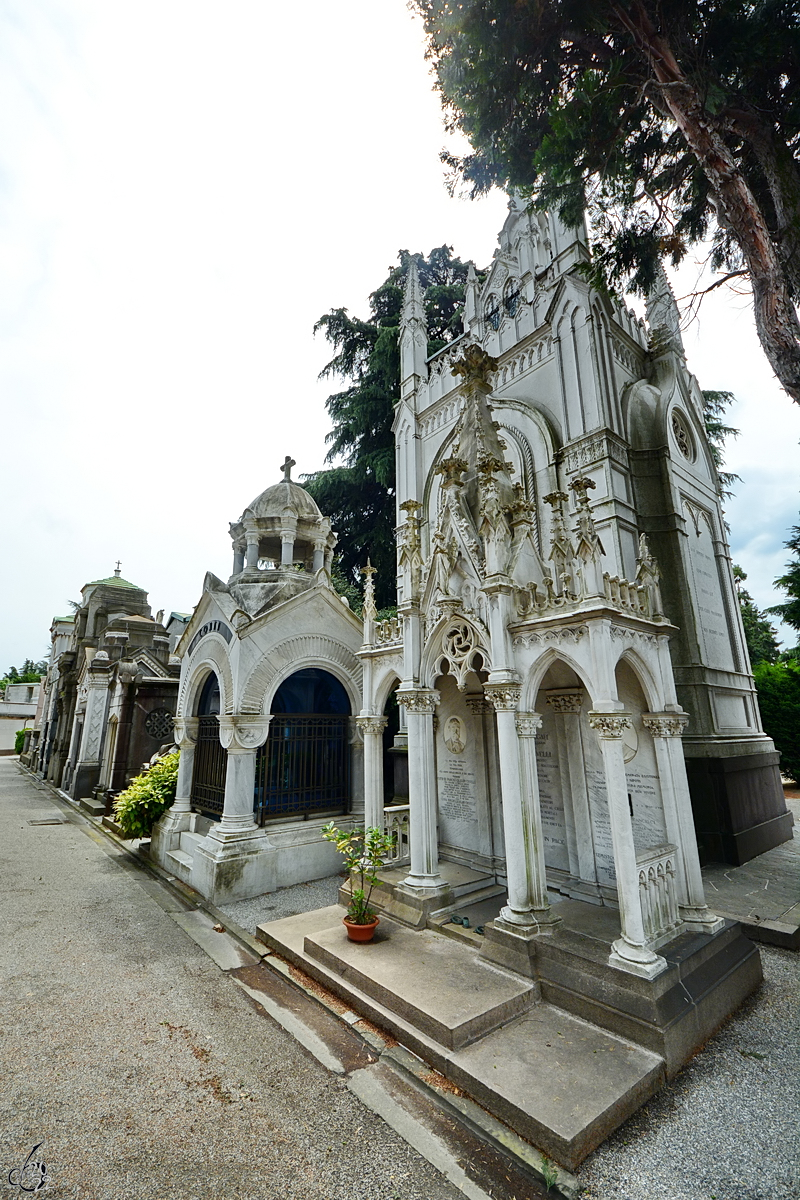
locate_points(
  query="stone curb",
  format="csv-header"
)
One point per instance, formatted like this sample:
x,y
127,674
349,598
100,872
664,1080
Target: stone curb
x,y
395,1056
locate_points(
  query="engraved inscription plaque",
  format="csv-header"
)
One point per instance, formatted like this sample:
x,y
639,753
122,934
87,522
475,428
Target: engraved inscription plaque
x,y
712,627
551,804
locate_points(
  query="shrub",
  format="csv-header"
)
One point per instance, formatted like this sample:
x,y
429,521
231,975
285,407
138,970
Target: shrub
x,y
147,797
778,687
19,740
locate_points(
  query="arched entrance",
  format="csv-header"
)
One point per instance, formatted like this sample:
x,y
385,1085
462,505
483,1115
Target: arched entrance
x,y
210,756
304,767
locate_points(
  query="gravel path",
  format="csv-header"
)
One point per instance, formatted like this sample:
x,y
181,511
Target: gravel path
x,y
728,1127
285,902
145,1072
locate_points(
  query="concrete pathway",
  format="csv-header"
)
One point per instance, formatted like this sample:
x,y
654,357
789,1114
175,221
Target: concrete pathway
x,y
145,1071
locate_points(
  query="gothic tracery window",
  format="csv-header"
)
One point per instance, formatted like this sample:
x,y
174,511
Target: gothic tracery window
x,y
493,312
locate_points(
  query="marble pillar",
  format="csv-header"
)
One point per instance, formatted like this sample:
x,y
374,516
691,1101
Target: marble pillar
x,y
372,732
423,833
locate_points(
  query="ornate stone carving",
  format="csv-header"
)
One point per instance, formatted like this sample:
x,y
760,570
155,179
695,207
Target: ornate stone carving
x,y
565,702
610,725
185,731
665,724
372,725
418,700
159,724
528,723
503,697
475,364
552,636
251,734
459,644
477,705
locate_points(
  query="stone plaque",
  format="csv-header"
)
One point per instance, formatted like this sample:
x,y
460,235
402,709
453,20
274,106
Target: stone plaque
x,y
458,798
712,627
551,804
601,826
644,795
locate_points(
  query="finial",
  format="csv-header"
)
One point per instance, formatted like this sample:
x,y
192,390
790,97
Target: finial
x,y
370,611
118,568
286,467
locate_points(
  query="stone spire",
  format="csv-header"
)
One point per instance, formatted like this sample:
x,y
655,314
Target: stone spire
x,y
663,316
470,298
413,333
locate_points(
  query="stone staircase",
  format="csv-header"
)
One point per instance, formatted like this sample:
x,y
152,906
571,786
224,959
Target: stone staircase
x,y
181,860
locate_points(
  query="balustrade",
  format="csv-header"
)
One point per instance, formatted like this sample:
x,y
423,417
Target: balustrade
x,y
396,825
657,891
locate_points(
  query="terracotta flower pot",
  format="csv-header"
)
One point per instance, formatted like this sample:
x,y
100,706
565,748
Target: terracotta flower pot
x,y
360,933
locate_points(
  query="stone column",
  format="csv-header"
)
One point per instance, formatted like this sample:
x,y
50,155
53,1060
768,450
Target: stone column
x,y
177,819
519,833
372,732
528,724
667,730
241,739
423,832
288,535
251,533
319,555
629,951
238,560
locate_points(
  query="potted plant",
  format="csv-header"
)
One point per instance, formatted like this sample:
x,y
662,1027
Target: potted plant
x,y
364,851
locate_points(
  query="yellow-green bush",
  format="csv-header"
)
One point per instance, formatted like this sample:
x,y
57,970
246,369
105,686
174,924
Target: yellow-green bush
x,y
147,797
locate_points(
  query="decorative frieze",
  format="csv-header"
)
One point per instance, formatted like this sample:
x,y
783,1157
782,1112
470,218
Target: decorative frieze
x,y
571,634
565,702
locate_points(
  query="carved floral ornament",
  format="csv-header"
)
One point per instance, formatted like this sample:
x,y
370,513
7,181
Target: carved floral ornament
x,y
372,725
459,648
243,733
610,726
503,697
423,702
565,702
528,724
665,724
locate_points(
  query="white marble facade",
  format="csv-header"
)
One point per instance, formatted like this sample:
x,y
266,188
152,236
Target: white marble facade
x,y
538,459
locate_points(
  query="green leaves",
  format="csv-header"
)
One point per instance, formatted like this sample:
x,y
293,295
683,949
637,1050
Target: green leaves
x,y
147,798
364,852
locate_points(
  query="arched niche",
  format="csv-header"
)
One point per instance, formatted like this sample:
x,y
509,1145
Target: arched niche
x,y
641,766
210,757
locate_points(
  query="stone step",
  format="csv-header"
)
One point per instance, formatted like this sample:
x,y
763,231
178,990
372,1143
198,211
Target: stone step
x,y
180,862
411,973
95,808
189,841
558,1081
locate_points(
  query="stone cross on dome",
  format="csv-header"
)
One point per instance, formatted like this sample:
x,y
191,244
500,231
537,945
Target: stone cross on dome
x,y
286,467
118,568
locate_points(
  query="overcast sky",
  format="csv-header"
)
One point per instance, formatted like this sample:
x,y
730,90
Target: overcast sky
x,y
185,187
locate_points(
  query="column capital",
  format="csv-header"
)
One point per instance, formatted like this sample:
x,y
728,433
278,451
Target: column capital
x,y
184,731
503,697
528,724
243,733
565,701
665,725
609,726
372,725
419,700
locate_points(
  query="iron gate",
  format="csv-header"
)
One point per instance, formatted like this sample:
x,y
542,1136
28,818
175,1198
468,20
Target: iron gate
x,y
210,763
304,766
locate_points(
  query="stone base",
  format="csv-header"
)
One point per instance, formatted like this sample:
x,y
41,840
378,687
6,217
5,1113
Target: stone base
x,y
739,806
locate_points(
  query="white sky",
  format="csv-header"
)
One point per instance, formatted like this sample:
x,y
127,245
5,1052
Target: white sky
x,y
185,187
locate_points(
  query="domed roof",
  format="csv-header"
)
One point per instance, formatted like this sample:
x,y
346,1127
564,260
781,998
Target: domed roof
x,y
283,495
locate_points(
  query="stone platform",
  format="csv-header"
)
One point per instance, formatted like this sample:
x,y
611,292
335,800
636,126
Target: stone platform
x,y
559,1081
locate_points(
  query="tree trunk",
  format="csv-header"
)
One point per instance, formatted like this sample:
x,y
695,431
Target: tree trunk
x,y
775,315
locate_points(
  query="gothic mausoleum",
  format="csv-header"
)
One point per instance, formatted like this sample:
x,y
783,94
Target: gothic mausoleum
x,y
270,693
579,715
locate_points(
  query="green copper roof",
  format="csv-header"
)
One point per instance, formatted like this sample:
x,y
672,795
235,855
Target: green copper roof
x,y
113,581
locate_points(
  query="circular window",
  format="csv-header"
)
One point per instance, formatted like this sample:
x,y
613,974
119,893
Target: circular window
x,y
680,431
159,723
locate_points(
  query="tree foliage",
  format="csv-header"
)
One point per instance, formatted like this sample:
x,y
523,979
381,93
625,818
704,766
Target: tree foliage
x,y
29,672
789,611
666,120
358,492
717,432
760,635
778,687
147,797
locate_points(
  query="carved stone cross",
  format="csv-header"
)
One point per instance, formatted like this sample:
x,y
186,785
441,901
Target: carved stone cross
x,y
286,467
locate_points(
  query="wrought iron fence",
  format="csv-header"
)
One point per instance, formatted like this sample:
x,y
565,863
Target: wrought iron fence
x,y
304,767
210,763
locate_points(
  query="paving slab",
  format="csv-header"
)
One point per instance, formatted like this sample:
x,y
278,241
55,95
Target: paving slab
x,y
440,986
224,950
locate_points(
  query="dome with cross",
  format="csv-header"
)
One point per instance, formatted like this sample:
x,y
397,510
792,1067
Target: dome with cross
x,y
281,529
